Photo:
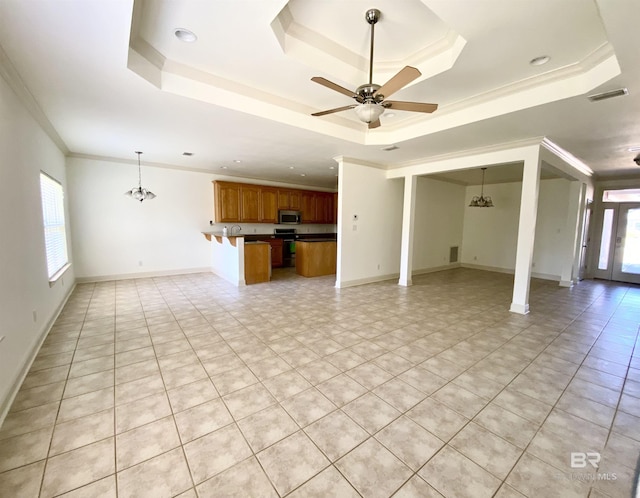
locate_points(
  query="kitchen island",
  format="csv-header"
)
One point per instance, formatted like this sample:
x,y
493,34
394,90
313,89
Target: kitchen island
x,y
238,261
316,257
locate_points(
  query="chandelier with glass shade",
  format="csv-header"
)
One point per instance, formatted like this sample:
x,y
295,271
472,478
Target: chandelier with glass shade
x,y
138,193
482,201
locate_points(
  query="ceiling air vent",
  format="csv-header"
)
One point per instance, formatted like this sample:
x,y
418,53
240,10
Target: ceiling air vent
x,y
389,148
620,92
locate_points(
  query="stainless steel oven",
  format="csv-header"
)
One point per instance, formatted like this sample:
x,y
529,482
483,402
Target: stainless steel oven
x,y
288,236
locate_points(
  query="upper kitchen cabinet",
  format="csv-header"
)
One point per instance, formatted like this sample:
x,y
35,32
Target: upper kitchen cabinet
x,y
289,199
308,206
295,200
249,203
251,199
324,207
269,205
283,198
227,202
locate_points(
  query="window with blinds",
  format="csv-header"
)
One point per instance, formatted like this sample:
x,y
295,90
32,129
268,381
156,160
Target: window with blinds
x,y
55,236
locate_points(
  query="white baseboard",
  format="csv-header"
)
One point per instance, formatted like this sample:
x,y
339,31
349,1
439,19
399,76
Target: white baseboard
x,y
510,271
369,280
6,403
434,269
149,274
497,269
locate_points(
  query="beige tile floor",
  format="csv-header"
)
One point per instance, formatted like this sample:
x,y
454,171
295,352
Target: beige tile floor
x,y
186,386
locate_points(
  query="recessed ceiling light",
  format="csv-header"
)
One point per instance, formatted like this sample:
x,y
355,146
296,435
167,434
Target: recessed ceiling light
x,y
634,149
539,61
187,153
302,174
292,167
223,167
184,35
237,161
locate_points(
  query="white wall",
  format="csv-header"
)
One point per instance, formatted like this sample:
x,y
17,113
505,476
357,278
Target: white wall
x,y
439,222
490,234
551,228
25,150
371,251
113,233
116,236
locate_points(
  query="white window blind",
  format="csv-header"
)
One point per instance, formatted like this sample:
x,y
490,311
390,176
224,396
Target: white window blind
x,y
55,237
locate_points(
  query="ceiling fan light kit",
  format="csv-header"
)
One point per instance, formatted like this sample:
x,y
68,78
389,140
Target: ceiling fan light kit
x,y
369,112
370,97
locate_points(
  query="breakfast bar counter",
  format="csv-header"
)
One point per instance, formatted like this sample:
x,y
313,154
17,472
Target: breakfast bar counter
x,y
316,257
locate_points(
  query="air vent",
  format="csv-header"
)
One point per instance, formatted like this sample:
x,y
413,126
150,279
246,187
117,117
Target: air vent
x,y
389,148
453,254
620,92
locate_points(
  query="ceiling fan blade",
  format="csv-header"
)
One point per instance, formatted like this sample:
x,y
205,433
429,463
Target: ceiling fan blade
x,y
331,111
333,86
374,124
405,76
410,106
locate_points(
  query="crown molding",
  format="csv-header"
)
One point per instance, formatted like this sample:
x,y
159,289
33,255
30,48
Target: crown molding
x,y
11,75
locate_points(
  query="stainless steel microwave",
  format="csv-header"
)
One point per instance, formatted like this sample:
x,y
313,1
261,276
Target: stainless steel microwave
x,y
289,217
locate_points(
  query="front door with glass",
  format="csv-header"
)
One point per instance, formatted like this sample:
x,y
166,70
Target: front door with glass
x,y
626,255
619,255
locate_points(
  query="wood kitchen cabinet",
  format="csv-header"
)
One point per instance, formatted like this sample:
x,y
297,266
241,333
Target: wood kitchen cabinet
x,y
256,263
269,205
308,206
249,203
324,207
334,218
283,198
316,258
277,246
227,202
295,200
289,199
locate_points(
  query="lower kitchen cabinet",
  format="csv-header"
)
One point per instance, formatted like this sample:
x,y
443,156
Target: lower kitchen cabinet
x,y
316,258
276,252
257,262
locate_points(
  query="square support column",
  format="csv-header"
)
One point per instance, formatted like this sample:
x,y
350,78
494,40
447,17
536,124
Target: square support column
x,y
408,223
526,233
572,234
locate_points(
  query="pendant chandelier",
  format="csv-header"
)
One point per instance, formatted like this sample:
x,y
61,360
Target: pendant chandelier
x,y
138,193
482,201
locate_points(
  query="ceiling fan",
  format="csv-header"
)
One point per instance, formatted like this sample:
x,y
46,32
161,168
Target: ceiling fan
x,y
370,97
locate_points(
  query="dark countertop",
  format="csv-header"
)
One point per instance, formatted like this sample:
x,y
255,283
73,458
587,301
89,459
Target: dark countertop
x,y
299,236
317,240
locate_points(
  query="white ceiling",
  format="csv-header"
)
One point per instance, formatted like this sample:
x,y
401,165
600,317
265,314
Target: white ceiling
x,y
111,78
